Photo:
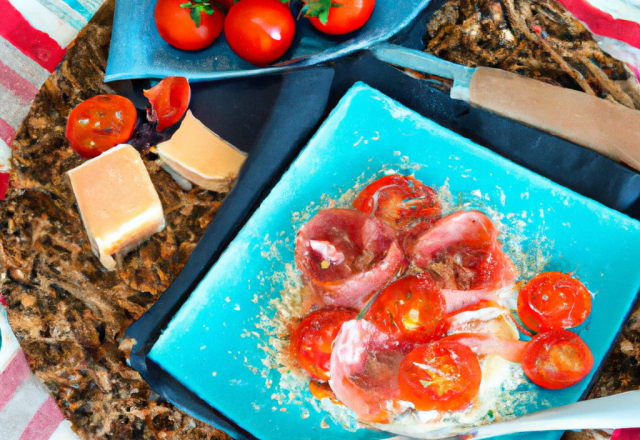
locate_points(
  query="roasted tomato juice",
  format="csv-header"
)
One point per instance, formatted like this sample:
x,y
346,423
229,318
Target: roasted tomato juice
x,y
403,307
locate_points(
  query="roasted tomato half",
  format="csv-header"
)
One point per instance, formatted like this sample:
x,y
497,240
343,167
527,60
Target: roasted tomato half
x,y
260,31
351,15
311,341
557,359
411,308
100,123
169,101
553,300
401,202
188,24
443,376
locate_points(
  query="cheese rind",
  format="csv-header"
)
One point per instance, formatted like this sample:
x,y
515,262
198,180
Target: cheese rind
x,y
118,203
200,156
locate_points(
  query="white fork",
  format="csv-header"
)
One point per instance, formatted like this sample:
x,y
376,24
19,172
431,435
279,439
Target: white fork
x,y
613,412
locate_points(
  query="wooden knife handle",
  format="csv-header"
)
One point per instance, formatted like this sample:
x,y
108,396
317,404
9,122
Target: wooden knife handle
x,y
610,129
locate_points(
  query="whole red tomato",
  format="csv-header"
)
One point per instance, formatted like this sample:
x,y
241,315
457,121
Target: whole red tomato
x,y
177,27
352,15
259,31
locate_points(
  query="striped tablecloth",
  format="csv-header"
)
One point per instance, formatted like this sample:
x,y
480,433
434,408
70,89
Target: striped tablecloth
x,y
27,412
34,35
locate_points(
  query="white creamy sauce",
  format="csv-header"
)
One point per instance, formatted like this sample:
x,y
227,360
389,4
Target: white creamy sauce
x,y
485,314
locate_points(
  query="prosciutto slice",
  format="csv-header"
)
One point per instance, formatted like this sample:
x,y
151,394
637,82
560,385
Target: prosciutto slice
x,y
487,343
364,370
346,256
461,252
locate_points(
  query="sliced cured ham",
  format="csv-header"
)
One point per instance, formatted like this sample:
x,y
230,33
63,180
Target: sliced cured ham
x,y
486,343
346,256
413,309
364,370
462,252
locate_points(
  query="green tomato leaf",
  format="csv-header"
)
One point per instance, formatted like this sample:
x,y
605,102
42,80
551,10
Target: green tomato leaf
x,y
208,9
195,16
319,9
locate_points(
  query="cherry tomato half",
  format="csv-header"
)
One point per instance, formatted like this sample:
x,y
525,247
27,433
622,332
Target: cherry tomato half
x,y
100,123
553,300
557,359
176,27
443,375
311,341
399,201
352,15
259,31
411,307
169,100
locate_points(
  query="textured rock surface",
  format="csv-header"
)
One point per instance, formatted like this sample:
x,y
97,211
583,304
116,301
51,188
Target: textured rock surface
x,y
69,314
67,311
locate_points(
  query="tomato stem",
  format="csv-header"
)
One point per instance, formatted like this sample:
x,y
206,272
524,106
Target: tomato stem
x,y
196,8
320,9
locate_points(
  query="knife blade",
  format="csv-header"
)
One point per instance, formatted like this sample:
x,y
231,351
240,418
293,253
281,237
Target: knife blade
x,y
610,129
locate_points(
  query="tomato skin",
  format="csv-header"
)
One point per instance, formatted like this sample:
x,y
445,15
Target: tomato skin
x,y
227,3
553,300
351,16
169,100
557,359
452,391
175,26
401,202
311,341
411,308
99,124
260,31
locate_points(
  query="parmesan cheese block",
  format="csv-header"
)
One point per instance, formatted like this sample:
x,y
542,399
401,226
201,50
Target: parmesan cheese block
x,y
200,156
118,203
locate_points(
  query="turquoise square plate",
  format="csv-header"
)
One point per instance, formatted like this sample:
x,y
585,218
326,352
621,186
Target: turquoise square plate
x,y
218,344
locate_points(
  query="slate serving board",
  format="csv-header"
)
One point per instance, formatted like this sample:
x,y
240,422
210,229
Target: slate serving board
x,y
208,334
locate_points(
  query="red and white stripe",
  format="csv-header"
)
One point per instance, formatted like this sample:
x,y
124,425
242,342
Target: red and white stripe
x,y
615,25
33,37
27,412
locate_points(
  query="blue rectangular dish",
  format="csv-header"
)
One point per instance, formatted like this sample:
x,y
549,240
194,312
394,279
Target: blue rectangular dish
x,y
138,51
217,343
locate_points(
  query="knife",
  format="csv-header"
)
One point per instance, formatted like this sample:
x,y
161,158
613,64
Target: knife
x,y
610,129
